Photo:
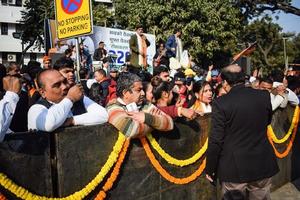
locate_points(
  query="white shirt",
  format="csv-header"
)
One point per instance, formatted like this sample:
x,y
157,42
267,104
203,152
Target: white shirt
x,y
292,97
206,107
278,101
41,118
7,108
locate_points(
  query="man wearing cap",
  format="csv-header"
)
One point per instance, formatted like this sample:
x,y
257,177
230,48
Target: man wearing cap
x,y
138,44
47,62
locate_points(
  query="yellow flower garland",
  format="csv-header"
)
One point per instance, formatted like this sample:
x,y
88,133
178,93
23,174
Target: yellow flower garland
x,y
22,193
172,160
164,173
290,131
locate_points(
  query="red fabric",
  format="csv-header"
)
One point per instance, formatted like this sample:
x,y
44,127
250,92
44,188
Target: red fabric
x,y
112,91
172,111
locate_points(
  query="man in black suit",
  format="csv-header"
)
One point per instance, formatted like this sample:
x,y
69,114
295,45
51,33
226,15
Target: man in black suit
x,y
239,153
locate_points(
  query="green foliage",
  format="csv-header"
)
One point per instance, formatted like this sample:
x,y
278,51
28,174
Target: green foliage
x,y
269,53
254,8
33,20
102,16
210,28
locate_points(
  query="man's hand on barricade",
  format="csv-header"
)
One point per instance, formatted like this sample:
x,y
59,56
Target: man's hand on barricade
x,y
68,122
75,93
12,84
137,116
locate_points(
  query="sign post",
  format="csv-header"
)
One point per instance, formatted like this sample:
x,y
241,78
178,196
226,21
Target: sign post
x,y
73,19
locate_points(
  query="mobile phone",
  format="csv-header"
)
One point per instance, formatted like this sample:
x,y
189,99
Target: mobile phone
x,y
132,107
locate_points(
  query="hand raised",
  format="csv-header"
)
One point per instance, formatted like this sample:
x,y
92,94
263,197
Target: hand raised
x,y
75,93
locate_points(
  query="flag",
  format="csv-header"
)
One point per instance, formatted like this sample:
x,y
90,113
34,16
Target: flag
x,y
245,52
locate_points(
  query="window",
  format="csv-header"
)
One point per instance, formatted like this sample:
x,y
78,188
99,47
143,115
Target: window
x,y
4,2
4,28
4,56
19,3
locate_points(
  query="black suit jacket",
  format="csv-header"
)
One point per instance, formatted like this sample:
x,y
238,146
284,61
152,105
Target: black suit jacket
x,y
238,148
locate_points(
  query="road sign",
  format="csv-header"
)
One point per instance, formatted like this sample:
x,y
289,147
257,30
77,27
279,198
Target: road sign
x,y
73,18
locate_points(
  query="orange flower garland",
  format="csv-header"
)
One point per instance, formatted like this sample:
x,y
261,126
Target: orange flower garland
x,y
164,173
289,146
114,175
2,197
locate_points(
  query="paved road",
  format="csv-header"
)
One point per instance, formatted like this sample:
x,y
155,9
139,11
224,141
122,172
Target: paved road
x,y
286,192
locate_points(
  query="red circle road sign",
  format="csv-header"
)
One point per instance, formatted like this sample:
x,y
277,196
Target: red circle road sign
x,y
71,6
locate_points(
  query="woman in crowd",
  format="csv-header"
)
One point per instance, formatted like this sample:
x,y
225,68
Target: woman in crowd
x,y
163,95
201,101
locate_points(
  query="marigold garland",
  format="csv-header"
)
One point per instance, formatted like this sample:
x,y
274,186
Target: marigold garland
x,y
25,194
172,160
164,173
289,146
293,126
115,173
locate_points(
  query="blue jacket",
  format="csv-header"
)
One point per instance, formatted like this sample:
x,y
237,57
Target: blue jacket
x,y
171,43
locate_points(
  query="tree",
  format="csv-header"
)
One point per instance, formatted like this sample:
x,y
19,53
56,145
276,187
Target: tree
x,y
210,28
102,16
252,8
269,53
33,21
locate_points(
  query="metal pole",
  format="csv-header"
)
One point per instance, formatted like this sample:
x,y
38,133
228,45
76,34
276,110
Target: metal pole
x,y
284,51
22,61
77,60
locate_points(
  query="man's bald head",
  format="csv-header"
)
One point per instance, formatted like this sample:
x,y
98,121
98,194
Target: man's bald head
x,y
44,75
52,85
233,74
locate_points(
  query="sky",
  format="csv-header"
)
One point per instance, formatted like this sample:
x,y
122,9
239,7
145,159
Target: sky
x,y
289,22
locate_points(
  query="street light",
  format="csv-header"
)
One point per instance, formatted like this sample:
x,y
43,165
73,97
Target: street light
x,y
284,50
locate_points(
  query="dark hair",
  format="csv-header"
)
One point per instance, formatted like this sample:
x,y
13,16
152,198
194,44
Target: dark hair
x,y
2,75
266,79
217,90
101,42
95,92
199,85
277,75
160,69
160,86
138,26
39,82
101,71
83,73
232,77
293,82
68,51
177,30
10,66
63,63
125,82
33,68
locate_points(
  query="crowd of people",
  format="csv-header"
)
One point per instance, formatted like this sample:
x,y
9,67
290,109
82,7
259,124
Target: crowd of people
x,y
44,97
